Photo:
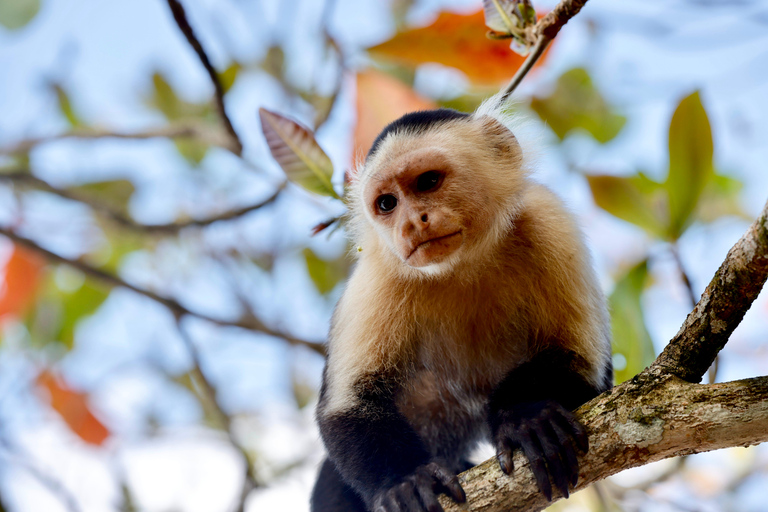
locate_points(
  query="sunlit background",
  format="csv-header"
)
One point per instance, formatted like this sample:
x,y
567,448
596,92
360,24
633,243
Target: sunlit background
x,y
113,156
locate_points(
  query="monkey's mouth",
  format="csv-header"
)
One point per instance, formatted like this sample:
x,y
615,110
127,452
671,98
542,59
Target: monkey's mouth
x,y
432,242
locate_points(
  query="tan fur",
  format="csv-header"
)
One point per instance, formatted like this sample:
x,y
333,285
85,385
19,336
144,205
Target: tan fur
x,y
522,278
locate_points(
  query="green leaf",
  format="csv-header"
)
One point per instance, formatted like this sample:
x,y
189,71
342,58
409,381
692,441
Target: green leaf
x,y
65,106
635,199
165,99
303,393
193,151
78,306
630,335
690,162
325,274
68,298
14,14
274,62
229,75
294,147
116,193
576,104
721,197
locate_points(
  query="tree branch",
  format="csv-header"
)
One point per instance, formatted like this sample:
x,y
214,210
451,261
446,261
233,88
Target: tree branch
x,y
723,304
648,418
543,33
211,397
24,177
189,130
248,322
181,20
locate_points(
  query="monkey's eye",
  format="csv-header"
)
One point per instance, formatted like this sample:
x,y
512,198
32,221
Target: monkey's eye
x,y
428,181
386,203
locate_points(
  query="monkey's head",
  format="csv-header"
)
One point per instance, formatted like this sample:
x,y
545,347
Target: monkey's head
x,y
438,187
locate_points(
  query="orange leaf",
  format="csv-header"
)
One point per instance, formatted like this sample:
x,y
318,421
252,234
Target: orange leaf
x,y
73,408
458,41
20,282
380,100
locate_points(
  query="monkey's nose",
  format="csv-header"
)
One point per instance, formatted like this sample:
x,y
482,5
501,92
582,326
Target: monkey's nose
x,y
424,217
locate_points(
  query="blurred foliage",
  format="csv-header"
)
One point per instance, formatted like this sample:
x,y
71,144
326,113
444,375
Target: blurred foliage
x,y
66,299
325,274
65,106
631,340
457,41
576,104
73,408
15,14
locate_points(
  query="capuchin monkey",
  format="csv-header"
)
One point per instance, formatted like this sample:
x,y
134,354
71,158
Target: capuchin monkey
x,y
473,314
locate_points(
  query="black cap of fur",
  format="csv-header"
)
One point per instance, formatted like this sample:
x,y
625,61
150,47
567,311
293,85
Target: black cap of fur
x,y
416,123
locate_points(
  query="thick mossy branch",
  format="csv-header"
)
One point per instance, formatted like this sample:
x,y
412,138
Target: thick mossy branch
x,y
651,417
723,304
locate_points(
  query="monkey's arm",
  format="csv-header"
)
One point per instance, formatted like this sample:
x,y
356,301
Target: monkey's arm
x,y
531,409
378,453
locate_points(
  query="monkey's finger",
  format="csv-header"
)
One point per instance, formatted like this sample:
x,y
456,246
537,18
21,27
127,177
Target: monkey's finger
x,y
532,451
552,450
504,449
570,424
406,496
448,481
568,452
389,503
425,490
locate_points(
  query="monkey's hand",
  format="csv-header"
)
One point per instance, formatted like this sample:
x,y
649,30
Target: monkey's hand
x,y
418,491
549,436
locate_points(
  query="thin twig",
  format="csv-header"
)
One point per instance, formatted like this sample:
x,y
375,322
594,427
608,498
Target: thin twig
x,y
248,322
54,485
181,20
712,372
543,33
211,397
537,51
331,42
174,131
683,274
23,176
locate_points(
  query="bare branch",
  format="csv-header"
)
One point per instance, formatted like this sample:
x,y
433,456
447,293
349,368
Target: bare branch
x,y
248,322
195,131
649,418
23,460
211,397
543,33
181,20
24,177
723,304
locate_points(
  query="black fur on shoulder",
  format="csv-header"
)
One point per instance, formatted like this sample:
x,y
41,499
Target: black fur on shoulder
x,y
416,123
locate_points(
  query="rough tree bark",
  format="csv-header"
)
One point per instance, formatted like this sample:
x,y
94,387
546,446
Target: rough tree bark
x,y
662,412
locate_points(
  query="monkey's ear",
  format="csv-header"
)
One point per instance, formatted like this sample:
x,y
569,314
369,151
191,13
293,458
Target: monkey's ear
x,y
501,137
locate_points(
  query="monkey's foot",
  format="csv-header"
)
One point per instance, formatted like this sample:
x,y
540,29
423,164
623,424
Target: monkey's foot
x,y
418,491
549,436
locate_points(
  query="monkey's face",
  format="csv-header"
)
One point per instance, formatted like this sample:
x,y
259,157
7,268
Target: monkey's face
x,y
418,204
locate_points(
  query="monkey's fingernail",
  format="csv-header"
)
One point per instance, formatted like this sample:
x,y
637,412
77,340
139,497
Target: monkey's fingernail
x,y
505,461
